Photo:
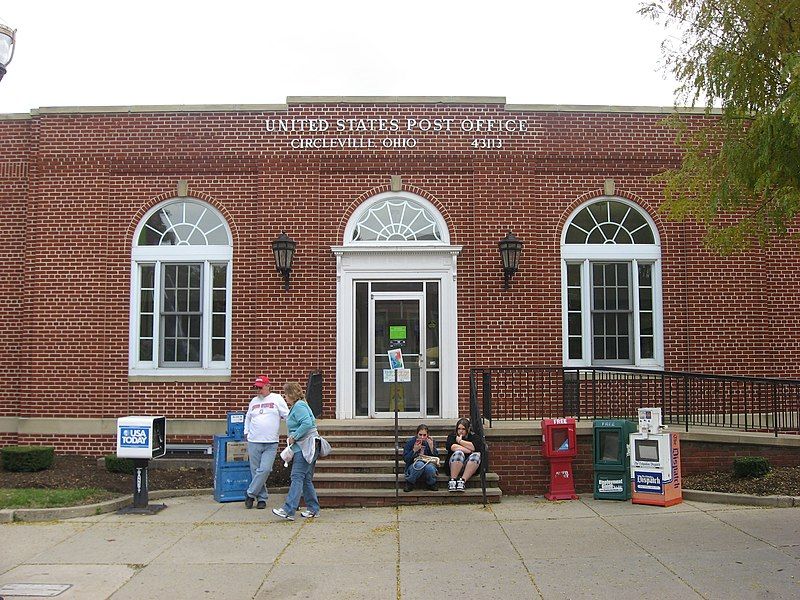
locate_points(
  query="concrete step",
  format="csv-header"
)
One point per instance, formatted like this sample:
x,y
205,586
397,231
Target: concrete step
x,y
332,497
376,440
382,440
384,480
369,452
363,465
406,427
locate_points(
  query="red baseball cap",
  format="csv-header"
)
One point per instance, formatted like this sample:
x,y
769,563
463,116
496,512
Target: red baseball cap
x,y
261,381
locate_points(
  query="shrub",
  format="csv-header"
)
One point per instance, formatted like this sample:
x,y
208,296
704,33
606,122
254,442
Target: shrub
x,y
750,466
114,464
27,458
280,476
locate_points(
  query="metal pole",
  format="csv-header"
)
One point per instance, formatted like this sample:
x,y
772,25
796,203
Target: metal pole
x,y
396,449
140,495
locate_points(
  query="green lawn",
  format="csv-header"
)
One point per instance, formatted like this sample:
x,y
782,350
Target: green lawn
x,y
39,498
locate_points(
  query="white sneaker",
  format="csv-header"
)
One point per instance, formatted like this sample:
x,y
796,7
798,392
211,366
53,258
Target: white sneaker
x,y
460,485
279,512
308,514
451,485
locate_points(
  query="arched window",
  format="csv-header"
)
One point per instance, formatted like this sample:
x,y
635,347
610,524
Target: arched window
x,y
396,218
181,291
611,286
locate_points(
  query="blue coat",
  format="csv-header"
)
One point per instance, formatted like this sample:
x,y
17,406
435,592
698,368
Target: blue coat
x,y
408,451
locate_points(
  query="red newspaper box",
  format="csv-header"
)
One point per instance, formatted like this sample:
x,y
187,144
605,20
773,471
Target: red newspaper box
x,y
560,447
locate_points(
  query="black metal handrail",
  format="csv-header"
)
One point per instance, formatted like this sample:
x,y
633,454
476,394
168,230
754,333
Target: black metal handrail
x,y
477,428
696,399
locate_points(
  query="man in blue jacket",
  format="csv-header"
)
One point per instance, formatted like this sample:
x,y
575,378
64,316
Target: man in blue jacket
x,y
416,446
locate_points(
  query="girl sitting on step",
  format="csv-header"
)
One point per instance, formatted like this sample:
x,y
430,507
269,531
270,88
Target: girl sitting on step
x,y
463,455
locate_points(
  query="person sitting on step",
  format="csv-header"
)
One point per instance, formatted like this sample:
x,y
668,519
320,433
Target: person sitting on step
x,y
416,447
463,455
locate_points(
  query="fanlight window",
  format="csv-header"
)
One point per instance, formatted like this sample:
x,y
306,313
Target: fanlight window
x,y
400,220
609,222
184,224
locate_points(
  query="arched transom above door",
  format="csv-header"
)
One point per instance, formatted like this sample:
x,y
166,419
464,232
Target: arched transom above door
x,y
396,218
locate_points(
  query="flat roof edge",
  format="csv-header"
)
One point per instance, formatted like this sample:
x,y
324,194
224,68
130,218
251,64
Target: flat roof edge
x,y
296,100
395,100
694,110
160,108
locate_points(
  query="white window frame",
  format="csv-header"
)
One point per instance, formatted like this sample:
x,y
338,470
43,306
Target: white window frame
x,y
633,254
158,256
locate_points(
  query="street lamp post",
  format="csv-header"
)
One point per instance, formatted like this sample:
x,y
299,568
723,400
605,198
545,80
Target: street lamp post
x,y
7,36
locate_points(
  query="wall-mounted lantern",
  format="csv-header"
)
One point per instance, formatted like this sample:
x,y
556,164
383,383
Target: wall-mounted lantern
x,y
283,248
510,250
7,37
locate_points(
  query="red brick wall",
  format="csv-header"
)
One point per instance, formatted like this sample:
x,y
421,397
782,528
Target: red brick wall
x,y
74,186
523,469
15,174
518,461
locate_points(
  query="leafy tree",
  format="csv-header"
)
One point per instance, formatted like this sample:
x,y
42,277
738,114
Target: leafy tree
x,y
740,173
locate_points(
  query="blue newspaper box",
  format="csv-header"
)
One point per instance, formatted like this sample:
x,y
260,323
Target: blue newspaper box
x,y
231,464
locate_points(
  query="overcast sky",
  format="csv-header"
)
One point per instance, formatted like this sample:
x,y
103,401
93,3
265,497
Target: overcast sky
x,y
91,53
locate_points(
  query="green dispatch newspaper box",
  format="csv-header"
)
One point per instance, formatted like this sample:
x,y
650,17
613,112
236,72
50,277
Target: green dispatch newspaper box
x,y
612,480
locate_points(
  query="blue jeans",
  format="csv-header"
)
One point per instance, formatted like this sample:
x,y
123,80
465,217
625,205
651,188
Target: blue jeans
x,y
428,473
302,484
262,457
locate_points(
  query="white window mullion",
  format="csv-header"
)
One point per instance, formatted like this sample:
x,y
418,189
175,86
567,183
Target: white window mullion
x,y
564,315
157,292
206,285
229,312
634,279
371,350
586,307
658,321
135,302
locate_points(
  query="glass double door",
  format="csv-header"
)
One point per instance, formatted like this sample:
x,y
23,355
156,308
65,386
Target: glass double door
x,y
403,324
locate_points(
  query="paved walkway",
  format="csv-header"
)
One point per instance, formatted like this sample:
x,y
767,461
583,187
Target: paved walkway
x,y
523,547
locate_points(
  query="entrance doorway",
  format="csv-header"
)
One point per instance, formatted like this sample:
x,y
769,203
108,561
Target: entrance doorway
x,y
396,276
397,316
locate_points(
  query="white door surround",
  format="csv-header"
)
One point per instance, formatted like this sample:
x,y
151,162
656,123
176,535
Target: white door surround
x,y
396,260
400,264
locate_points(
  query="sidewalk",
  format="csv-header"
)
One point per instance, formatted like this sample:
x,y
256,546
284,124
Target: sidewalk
x,y
524,547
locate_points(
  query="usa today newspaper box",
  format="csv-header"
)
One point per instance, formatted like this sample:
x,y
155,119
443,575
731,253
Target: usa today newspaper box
x,y
612,479
141,439
231,462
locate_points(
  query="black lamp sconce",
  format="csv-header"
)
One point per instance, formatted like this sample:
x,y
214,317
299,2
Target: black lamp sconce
x,y
510,250
283,248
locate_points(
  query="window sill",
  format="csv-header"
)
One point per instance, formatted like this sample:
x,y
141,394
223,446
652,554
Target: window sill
x,y
152,377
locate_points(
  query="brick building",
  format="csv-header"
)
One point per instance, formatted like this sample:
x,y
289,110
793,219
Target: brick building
x,y
138,272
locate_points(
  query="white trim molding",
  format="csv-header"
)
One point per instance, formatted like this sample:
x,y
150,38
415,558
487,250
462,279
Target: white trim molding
x,y
395,263
396,260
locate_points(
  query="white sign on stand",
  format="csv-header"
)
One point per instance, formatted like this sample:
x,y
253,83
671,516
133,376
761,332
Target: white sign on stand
x,y
388,376
403,375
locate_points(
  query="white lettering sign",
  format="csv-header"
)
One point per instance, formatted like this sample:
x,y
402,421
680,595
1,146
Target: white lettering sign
x,y
306,131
